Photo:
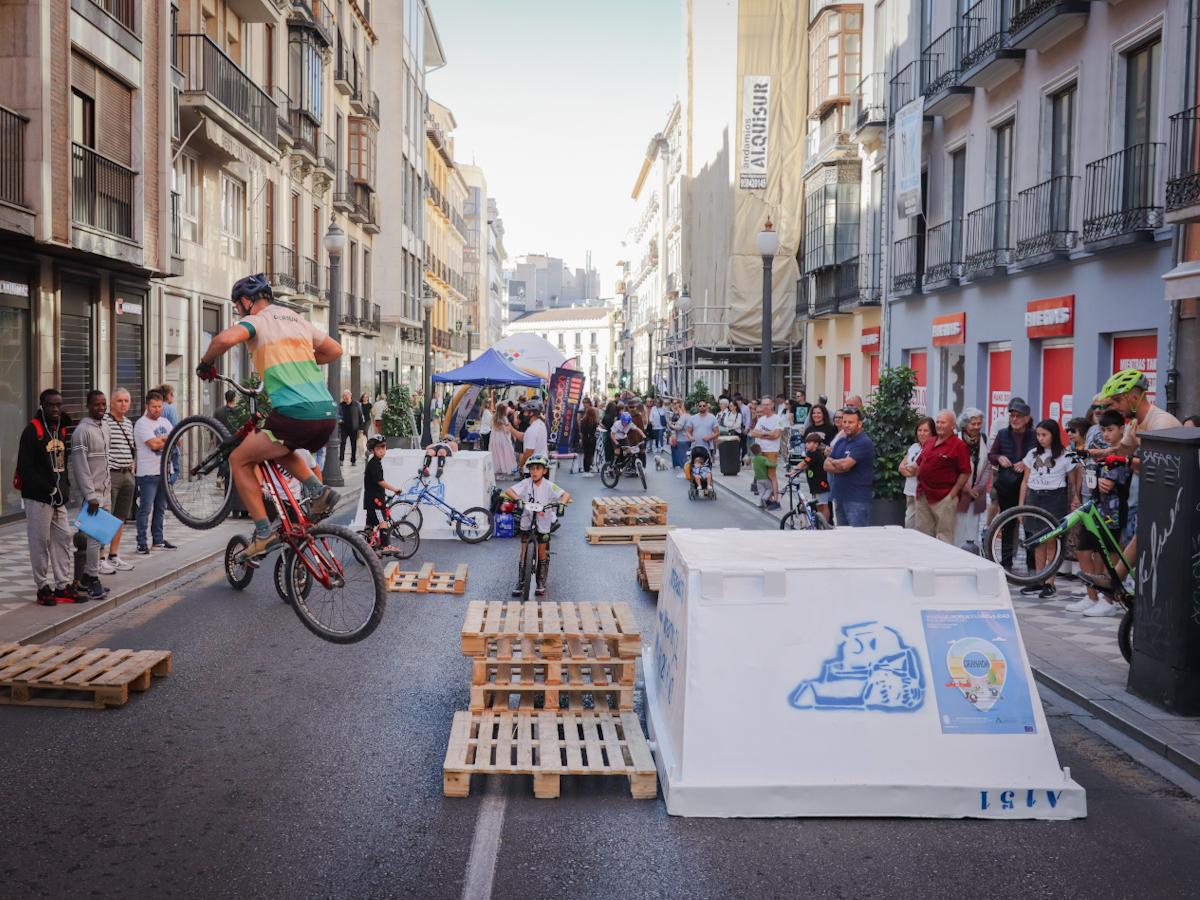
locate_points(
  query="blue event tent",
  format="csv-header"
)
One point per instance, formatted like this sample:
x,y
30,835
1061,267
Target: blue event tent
x,y
490,369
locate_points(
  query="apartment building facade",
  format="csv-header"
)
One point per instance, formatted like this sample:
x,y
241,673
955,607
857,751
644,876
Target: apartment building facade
x,y
483,261
587,334
85,207
445,240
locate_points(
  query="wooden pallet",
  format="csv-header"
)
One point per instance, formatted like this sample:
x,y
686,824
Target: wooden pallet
x,y
651,549
76,677
548,745
635,510
628,534
427,581
556,685
650,574
581,659
551,626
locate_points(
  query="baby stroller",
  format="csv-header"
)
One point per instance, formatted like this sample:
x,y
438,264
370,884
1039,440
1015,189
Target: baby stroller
x,y
698,472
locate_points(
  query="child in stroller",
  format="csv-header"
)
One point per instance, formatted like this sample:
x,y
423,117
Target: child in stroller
x,y
698,472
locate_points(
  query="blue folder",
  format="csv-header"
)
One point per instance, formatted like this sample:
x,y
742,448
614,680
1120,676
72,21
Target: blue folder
x,y
101,527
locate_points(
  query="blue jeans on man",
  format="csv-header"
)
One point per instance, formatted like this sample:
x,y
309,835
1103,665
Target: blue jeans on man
x,y
853,513
151,498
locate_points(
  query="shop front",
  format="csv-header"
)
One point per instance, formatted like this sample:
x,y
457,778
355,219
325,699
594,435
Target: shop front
x,y
16,398
1050,326
949,339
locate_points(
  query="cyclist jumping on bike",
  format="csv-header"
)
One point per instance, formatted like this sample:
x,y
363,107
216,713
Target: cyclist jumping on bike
x,y
288,351
539,489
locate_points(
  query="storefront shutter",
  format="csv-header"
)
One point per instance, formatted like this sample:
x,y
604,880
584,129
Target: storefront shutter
x,y
76,363
131,364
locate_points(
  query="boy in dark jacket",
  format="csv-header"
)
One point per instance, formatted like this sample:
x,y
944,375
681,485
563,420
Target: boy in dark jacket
x,y
42,473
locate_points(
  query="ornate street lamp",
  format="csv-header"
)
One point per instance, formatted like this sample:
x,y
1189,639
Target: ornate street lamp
x,y
335,243
768,246
428,299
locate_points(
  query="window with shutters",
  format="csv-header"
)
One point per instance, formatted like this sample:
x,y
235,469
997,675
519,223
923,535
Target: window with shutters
x,y
304,73
366,273
233,216
187,184
363,133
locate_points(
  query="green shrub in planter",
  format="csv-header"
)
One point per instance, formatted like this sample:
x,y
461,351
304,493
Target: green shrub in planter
x,y
890,421
699,392
399,419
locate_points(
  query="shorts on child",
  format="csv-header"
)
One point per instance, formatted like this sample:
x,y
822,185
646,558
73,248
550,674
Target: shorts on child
x,y
764,490
822,497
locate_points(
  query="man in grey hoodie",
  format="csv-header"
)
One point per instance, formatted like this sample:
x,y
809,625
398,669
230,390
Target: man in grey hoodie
x,y
89,461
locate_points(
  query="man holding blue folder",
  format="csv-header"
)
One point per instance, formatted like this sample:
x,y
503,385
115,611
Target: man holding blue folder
x,y
89,463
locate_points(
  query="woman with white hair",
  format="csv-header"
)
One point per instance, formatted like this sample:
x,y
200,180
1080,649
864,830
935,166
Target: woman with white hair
x,y
973,500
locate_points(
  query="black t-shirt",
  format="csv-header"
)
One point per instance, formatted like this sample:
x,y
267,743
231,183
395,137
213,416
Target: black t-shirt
x,y
818,478
372,475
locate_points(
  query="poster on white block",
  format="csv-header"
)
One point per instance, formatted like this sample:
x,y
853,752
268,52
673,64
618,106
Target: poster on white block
x,y
756,130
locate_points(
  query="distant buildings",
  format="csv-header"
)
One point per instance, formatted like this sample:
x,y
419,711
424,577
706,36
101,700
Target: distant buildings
x,y
584,333
537,281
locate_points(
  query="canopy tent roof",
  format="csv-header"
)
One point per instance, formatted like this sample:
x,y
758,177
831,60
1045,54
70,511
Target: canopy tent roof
x,y
489,369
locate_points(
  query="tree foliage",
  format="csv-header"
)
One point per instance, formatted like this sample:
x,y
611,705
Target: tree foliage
x,y
699,392
890,421
398,418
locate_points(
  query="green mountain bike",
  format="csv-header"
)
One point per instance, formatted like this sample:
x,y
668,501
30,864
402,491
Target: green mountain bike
x,y
1030,545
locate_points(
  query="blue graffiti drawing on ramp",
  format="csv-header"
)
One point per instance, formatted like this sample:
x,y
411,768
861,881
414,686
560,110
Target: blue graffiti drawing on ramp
x,y
874,670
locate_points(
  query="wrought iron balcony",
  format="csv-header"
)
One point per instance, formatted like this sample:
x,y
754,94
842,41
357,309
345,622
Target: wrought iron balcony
x,y
328,159
986,245
835,290
373,108
943,251
12,156
281,266
1183,178
1040,24
1121,195
908,259
940,81
319,15
343,194
305,132
283,134
1044,220
903,88
312,277
209,72
870,279
869,109
102,192
121,10
987,58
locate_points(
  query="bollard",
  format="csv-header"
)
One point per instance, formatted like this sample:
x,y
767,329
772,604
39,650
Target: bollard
x,y
1165,669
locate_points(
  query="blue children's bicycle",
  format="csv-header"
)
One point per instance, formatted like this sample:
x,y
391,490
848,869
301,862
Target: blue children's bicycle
x,y
472,526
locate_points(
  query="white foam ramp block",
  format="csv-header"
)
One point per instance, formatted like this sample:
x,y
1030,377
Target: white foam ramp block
x,y
854,672
467,481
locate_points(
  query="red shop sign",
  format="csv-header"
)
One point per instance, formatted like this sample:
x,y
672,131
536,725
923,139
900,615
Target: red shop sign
x,y
1053,317
870,337
951,329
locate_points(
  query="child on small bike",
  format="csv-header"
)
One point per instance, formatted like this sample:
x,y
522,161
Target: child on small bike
x,y
1108,477
812,464
375,487
699,470
539,489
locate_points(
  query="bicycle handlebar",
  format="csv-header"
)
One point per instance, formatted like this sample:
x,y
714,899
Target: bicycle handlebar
x,y
240,388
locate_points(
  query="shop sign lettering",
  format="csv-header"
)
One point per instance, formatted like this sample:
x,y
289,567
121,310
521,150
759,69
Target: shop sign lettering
x,y
1054,317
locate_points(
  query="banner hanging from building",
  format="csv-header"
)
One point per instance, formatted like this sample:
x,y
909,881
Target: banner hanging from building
x,y
909,124
756,121
566,389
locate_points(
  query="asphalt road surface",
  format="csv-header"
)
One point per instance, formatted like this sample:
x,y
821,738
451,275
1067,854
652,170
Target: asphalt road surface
x,y
272,764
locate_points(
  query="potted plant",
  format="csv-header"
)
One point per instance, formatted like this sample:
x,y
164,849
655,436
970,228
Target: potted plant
x,y
699,392
890,422
399,424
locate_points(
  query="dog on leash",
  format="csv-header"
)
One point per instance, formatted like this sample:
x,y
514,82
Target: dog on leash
x,y
661,461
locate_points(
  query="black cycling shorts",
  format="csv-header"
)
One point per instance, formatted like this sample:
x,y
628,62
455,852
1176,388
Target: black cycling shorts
x,y
299,434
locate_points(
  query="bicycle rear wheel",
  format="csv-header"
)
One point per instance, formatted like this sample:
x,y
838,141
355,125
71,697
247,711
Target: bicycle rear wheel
x,y
238,574
346,594
1014,540
201,494
403,541
475,526
641,471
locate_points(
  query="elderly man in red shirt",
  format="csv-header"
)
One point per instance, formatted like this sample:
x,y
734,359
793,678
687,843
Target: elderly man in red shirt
x,y
942,469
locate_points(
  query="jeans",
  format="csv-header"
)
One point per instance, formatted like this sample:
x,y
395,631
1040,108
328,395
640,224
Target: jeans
x,y
150,496
351,435
853,513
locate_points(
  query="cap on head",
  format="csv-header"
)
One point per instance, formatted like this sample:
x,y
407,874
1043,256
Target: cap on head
x,y
1019,406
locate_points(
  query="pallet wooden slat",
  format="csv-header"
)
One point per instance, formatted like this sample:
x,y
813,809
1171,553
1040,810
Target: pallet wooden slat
x,y
425,580
554,624
631,534
76,677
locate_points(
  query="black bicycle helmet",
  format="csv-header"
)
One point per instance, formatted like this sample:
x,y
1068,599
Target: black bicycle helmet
x,y
252,286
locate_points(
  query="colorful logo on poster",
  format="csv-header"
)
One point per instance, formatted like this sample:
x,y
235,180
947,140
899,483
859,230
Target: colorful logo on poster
x,y
978,669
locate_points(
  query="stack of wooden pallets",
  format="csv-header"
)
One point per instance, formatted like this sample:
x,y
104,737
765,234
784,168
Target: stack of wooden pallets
x,y
608,512
650,564
37,675
551,695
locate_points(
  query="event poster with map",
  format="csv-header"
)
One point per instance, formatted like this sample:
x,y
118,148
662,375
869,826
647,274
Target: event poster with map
x,y
978,672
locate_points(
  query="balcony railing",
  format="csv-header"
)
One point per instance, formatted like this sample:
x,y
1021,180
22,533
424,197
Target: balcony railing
x,y
868,106
320,15
12,156
942,252
312,277
343,194
328,153
835,289
207,69
281,268
903,88
986,244
1025,11
121,10
1183,180
176,229
1121,193
373,107
101,192
985,31
940,61
305,131
870,283
1044,218
906,264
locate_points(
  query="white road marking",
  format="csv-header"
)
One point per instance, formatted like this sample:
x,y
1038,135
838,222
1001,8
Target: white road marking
x,y
485,846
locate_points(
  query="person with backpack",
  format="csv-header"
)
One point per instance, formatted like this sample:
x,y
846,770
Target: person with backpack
x,y
41,477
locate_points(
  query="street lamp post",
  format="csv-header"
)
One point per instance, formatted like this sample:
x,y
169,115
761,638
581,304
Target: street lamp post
x,y
768,246
470,325
684,304
335,243
651,325
427,301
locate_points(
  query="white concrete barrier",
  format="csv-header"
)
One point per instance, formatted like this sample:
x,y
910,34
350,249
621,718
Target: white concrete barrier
x,y
467,481
854,672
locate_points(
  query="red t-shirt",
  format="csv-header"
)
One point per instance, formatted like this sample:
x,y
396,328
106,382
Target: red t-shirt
x,y
939,466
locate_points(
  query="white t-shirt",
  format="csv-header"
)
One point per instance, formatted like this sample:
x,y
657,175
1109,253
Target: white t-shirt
x,y
376,416
910,482
535,437
767,423
149,462
547,492
485,422
1045,472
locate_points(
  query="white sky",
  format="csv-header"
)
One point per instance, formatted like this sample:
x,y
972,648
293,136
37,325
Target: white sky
x,y
556,101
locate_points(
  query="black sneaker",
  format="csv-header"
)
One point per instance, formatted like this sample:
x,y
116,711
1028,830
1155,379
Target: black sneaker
x,y
95,590
323,504
45,596
165,545
143,549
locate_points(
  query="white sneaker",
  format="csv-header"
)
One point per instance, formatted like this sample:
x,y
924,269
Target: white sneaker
x,y
1101,608
119,564
107,568
1081,604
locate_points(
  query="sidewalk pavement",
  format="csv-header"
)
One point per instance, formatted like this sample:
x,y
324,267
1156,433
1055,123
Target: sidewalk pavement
x,y
1077,657
22,620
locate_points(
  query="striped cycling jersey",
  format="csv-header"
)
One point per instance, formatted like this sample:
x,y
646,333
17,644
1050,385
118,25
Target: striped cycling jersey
x,y
281,346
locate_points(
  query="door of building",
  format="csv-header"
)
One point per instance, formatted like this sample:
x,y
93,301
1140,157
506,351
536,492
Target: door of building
x,y
1137,351
873,368
76,351
1057,400
130,347
15,359
844,372
918,361
999,390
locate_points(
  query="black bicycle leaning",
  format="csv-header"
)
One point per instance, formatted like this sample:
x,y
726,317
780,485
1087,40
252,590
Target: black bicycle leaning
x,y
803,515
529,553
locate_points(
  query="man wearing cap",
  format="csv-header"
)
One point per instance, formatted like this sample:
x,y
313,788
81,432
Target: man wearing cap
x,y
1011,445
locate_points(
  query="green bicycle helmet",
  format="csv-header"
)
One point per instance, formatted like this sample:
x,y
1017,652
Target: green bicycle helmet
x,y
538,459
1123,382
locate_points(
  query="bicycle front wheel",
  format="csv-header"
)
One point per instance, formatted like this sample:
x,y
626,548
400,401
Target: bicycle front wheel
x,y
1027,542
237,573
336,584
475,526
202,492
610,475
641,471
407,511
